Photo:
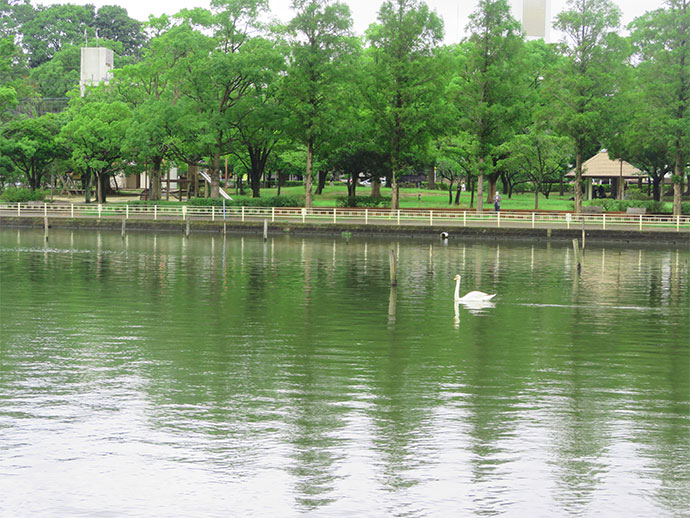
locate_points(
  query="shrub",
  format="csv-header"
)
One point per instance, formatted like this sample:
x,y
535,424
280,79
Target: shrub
x,y
362,201
611,205
272,201
634,193
23,194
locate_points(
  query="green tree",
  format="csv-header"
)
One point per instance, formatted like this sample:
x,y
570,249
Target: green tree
x,y
13,13
220,72
662,40
58,76
260,117
582,86
540,156
31,145
320,42
152,88
406,82
95,133
455,162
52,27
490,95
113,23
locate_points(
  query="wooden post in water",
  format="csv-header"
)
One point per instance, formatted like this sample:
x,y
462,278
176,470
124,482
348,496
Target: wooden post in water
x,y
583,234
225,228
265,229
394,268
578,256
45,226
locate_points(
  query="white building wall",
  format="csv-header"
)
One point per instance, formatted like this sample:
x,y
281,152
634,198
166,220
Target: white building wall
x,y
535,16
96,66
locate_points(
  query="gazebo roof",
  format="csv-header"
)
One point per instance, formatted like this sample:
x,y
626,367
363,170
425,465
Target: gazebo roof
x,y
601,166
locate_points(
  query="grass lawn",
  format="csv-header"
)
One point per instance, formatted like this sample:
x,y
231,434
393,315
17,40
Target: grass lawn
x,y
410,198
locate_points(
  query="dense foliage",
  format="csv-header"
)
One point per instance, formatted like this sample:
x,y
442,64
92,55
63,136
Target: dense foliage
x,y
218,90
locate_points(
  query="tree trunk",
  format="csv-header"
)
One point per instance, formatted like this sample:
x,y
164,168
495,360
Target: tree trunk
x,y
395,195
578,180
215,176
677,183
105,187
99,188
321,181
192,180
536,199
656,192
458,192
86,185
307,177
491,190
480,192
376,188
155,192
432,178
450,192
258,161
34,179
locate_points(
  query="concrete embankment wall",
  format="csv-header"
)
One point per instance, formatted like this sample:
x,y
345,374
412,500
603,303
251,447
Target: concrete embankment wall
x,y
279,228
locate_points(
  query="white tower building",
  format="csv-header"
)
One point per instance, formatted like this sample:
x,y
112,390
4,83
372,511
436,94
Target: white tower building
x,y
96,66
536,19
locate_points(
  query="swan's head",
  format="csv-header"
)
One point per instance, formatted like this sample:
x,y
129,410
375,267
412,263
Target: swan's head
x,y
456,278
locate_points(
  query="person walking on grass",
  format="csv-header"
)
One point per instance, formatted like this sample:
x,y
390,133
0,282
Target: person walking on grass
x,y
497,202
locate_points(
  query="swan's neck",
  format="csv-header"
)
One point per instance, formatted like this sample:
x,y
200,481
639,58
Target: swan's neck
x,y
457,289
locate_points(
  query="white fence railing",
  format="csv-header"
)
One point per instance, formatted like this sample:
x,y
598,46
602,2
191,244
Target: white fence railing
x,y
436,218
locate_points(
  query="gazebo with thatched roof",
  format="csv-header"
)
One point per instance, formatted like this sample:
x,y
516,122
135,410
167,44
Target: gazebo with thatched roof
x,y
601,167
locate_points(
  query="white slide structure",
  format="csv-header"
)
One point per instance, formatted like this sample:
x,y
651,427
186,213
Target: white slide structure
x,y
206,177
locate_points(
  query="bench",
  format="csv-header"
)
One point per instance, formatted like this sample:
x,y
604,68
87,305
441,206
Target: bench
x,y
636,210
592,209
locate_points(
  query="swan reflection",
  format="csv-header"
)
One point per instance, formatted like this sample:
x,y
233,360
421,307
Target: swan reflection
x,y
474,307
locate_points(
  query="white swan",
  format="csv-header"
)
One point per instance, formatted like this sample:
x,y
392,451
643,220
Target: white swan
x,y
472,296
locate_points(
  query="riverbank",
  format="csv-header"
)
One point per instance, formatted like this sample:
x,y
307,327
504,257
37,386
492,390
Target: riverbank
x,y
681,237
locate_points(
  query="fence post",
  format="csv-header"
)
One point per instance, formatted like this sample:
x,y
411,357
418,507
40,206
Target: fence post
x,y
155,211
464,218
431,218
498,219
273,214
568,219
126,211
398,217
242,212
678,223
304,215
533,220
603,221
19,209
213,213
366,216
100,210
334,215
640,222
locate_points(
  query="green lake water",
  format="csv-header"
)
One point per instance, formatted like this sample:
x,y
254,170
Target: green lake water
x,y
164,376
